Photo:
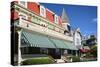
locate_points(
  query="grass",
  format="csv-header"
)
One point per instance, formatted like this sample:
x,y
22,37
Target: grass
x,y
40,60
75,59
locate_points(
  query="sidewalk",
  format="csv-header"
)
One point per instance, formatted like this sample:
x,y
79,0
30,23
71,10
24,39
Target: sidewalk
x,y
60,61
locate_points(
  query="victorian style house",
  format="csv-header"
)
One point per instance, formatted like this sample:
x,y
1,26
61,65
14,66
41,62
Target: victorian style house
x,y
36,30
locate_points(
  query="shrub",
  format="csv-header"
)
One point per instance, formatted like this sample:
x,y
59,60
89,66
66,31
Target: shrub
x,y
75,59
94,51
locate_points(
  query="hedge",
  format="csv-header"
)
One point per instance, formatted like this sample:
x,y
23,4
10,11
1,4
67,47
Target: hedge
x,y
75,59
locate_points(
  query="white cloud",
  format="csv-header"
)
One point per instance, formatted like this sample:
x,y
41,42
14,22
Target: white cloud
x,y
94,20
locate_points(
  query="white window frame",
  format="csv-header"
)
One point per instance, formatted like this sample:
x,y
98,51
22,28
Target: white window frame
x,y
22,4
42,8
56,19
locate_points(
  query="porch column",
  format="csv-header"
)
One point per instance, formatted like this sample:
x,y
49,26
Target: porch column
x,y
76,53
19,47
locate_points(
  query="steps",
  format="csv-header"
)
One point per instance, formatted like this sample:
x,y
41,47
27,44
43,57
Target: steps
x,y
59,61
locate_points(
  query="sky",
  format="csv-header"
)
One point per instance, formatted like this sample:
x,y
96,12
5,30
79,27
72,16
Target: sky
x,y
84,17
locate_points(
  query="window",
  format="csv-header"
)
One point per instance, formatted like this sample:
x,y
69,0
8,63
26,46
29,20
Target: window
x,y
56,19
42,11
23,3
68,28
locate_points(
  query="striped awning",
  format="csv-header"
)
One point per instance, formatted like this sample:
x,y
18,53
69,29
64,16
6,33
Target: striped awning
x,y
70,45
63,44
59,43
34,39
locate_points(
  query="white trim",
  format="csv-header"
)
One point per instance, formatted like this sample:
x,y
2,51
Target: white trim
x,y
37,3
23,9
44,11
19,47
21,13
50,11
44,30
56,19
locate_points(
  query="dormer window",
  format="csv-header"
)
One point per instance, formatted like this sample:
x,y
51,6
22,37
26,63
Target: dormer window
x,y
56,19
42,11
68,27
23,3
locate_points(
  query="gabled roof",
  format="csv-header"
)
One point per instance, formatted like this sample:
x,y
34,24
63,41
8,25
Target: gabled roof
x,y
77,30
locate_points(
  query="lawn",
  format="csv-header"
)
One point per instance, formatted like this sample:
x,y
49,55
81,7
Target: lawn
x,y
39,60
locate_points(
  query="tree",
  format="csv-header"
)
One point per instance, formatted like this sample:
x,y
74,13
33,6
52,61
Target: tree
x,y
94,50
91,41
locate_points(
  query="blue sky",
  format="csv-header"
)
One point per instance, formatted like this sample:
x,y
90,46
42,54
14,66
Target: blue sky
x,y
84,17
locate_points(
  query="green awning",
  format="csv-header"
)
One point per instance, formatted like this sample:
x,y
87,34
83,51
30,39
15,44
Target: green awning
x,y
59,43
37,40
70,45
33,39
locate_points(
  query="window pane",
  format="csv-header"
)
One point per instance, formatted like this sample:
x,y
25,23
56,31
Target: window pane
x,y
22,3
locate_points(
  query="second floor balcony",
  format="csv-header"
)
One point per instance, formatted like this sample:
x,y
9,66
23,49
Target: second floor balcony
x,y
23,23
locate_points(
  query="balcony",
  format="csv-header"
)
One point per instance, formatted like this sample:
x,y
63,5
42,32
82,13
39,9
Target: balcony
x,y
41,29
